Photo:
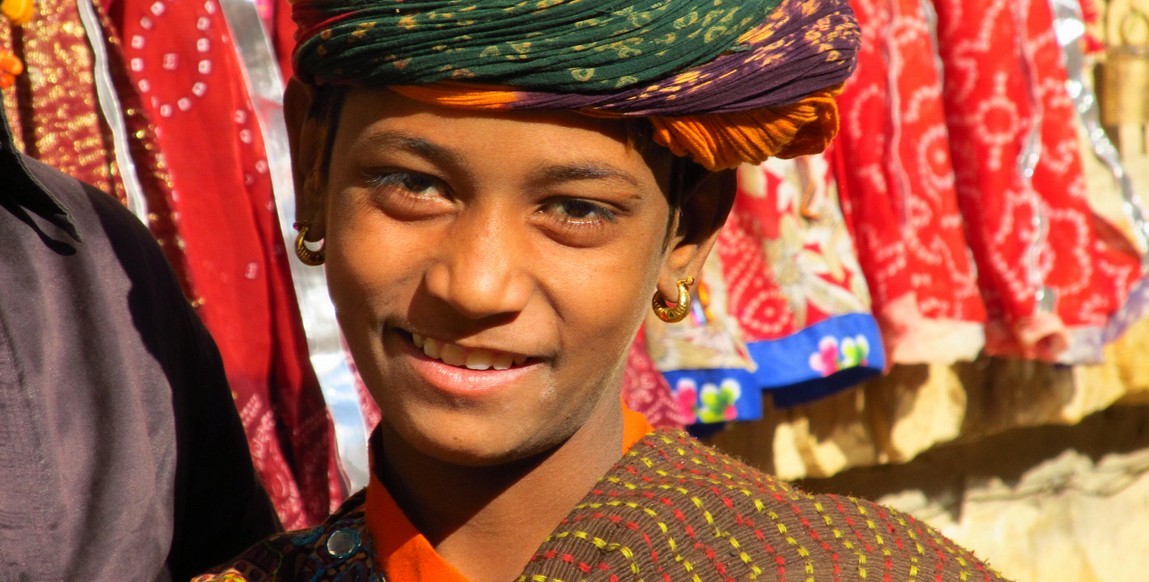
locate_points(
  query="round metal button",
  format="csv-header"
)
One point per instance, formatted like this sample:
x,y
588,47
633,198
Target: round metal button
x,y
342,543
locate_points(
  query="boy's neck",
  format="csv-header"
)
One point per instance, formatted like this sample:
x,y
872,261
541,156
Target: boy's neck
x,y
488,521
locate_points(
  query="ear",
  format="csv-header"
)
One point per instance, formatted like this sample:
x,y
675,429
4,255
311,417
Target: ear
x,y
695,229
307,139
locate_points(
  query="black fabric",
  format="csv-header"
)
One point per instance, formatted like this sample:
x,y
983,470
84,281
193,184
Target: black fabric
x,y
122,456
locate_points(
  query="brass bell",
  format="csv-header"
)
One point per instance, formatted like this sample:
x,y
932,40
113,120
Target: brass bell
x,y
1124,89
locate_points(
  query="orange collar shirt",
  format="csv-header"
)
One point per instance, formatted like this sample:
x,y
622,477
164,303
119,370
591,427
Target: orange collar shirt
x,y
402,551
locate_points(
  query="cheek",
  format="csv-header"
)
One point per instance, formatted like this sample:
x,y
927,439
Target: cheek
x,y
601,312
365,260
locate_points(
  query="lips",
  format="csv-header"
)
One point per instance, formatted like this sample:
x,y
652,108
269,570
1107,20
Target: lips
x,y
470,358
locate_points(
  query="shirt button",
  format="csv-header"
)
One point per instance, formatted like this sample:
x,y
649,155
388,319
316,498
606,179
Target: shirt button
x,y
342,543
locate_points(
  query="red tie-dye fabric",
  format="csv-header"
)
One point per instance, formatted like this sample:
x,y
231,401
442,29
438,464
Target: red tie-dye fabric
x,y
1019,178
181,62
896,185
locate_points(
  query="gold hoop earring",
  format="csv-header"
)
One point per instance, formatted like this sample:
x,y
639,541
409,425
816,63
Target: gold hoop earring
x,y
681,307
311,258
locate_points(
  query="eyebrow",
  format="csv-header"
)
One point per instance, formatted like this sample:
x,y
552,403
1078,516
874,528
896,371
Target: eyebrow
x,y
401,140
585,171
444,156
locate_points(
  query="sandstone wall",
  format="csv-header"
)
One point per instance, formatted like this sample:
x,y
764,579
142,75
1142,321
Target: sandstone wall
x,y
1051,503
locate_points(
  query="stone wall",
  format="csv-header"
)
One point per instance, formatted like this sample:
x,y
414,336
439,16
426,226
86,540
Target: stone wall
x,y
1041,469
1049,503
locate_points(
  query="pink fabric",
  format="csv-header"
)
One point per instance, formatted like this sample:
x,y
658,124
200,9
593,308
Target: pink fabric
x,y
784,264
645,390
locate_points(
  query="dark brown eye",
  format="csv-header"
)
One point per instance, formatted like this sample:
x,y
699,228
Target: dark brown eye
x,y
416,184
576,210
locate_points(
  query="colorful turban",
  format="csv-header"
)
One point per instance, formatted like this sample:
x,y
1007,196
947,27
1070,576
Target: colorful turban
x,y
722,81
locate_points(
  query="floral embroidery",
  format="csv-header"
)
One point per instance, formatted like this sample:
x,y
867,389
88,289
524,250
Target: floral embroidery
x,y
833,357
855,352
718,403
713,403
686,395
808,248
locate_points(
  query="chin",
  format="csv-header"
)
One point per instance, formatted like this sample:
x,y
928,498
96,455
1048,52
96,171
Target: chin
x,y
477,456
481,442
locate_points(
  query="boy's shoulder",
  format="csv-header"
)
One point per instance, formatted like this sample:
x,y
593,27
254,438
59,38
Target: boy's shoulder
x,y
339,548
676,509
672,508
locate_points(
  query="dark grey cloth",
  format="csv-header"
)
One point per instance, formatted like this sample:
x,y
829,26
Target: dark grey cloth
x,y
121,453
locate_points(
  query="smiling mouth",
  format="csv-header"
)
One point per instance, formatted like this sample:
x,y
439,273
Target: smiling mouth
x,y
469,358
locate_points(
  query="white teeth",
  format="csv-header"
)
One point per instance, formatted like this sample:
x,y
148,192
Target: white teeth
x,y
431,348
480,359
503,361
453,355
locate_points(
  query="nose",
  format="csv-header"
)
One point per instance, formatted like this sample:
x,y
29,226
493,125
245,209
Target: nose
x,y
483,266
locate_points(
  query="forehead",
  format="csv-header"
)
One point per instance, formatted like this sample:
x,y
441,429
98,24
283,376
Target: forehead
x,y
361,114
373,108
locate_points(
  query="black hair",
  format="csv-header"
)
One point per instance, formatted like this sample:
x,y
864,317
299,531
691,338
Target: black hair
x,y
326,107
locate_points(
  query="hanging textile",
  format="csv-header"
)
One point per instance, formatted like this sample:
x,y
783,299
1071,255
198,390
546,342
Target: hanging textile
x,y
276,16
1121,221
646,390
181,61
54,101
781,305
896,184
55,113
1020,181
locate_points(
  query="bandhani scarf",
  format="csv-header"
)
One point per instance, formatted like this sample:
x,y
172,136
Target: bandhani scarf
x,y
895,181
724,82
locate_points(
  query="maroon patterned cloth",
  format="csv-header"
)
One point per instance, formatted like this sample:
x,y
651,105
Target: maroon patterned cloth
x,y
671,509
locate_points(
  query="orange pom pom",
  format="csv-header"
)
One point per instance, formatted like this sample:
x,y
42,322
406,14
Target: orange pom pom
x,y
10,63
10,66
18,11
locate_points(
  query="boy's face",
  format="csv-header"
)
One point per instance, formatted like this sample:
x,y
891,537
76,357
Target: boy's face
x,y
489,270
